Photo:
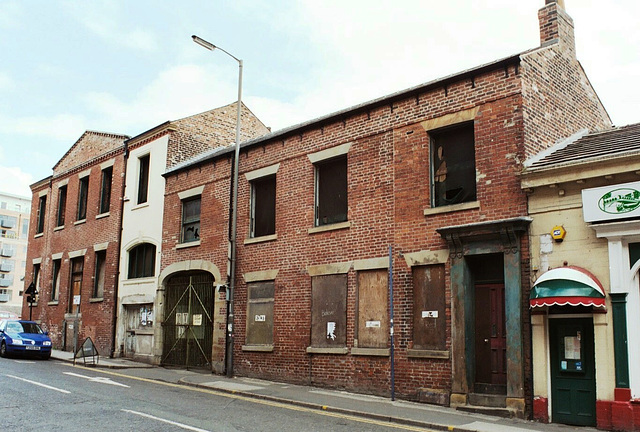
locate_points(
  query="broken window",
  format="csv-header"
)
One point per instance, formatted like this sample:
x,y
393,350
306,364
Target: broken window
x,y
453,167
191,219
142,261
83,194
263,206
100,272
373,308
331,191
143,179
429,314
260,296
329,311
105,191
62,204
42,208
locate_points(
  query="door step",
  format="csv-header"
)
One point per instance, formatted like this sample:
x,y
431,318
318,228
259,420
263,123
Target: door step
x,y
492,411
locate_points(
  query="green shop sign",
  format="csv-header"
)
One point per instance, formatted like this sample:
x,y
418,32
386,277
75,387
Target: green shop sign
x,y
621,200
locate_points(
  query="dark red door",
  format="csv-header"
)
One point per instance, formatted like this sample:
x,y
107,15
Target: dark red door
x,y
490,335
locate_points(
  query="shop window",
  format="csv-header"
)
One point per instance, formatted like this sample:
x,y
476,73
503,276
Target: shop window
x,y
453,167
429,314
62,204
40,217
260,296
142,261
100,272
143,179
55,281
329,311
83,195
191,219
331,191
105,190
263,206
373,309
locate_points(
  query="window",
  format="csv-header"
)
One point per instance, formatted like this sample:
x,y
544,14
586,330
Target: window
x,y
191,219
42,208
5,295
101,267
373,308
25,228
55,281
83,194
453,166
143,179
260,313
3,205
429,314
263,206
331,191
105,190
62,203
329,311
36,276
77,267
142,261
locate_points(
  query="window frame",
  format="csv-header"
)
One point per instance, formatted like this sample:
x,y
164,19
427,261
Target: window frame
x,y
105,190
55,279
324,200
144,164
134,270
62,206
41,214
260,307
440,139
83,198
261,204
186,223
100,272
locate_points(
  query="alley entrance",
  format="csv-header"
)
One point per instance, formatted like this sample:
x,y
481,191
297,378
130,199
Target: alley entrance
x,y
188,323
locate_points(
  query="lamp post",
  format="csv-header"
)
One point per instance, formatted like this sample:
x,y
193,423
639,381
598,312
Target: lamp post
x,y
234,209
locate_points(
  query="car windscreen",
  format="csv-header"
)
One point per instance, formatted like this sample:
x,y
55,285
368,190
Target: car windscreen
x,y
25,327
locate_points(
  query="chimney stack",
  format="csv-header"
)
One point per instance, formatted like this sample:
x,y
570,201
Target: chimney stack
x,y
556,26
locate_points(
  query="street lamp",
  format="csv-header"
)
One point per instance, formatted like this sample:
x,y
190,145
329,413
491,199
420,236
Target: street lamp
x,y
234,210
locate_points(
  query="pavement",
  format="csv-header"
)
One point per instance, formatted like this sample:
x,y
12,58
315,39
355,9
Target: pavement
x,y
373,407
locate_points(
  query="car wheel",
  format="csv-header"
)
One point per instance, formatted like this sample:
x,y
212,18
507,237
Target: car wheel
x,y
3,349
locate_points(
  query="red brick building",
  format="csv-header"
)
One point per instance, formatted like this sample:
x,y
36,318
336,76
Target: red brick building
x,y
432,172
74,242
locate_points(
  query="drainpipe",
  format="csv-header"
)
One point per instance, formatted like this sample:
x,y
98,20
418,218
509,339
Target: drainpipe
x,y
116,304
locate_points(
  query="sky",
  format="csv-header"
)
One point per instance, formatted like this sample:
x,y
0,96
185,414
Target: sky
x,y
126,66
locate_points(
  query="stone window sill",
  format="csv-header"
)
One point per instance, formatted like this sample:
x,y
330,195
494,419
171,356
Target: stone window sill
x,y
452,208
320,350
418,353
379,352
188,245
257,348
331,227
261,239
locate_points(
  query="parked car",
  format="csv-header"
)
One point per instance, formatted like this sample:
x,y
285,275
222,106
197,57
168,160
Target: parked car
x,y
23,337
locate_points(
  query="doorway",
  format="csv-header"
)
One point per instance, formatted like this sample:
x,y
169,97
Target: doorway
x,y
490,339
573,384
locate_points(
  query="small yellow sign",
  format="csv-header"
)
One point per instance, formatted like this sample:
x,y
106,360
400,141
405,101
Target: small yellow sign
x,y
558,232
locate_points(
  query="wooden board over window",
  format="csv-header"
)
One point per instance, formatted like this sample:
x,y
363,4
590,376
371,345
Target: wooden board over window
x,y
260,313
329,311
429,308
373,309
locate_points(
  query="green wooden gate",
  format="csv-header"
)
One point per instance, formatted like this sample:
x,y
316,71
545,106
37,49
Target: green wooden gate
x,y
573,383
188,323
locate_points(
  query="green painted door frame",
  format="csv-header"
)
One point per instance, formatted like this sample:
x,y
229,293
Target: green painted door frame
x,y
573,382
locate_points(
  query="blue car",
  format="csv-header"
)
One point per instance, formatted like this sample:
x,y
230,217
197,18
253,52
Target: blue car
x,y
24,338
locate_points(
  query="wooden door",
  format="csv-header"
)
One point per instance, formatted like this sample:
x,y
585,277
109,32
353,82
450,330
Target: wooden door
x,y
490,337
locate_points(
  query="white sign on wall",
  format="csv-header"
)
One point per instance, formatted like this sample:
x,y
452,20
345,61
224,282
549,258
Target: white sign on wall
x,y
613,202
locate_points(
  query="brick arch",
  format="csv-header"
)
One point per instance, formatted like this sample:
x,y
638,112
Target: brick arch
x,y
190,265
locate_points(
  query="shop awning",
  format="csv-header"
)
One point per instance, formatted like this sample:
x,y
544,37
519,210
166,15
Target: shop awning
x,y
567,286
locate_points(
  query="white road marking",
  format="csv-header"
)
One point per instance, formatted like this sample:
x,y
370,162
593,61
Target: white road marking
x,y
183,426
103,380
24,361
39,384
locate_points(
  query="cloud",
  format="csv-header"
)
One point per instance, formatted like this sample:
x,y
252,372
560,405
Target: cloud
x,y
14,180
59,127
11,14
6,83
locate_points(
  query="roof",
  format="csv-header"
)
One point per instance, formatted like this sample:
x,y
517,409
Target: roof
x,y
624,140
89,146
363,107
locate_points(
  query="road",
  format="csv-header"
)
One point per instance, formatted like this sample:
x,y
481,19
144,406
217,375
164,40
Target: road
x,y
52,395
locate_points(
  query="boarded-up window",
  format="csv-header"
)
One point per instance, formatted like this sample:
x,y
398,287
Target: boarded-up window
x,y
331,191
260,297
329,311
373,309
77,267
429,314
453,165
